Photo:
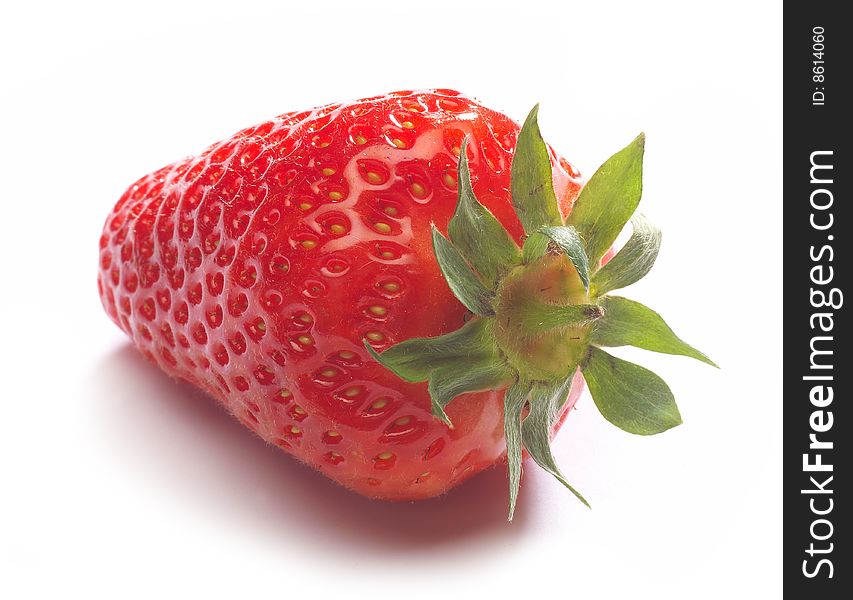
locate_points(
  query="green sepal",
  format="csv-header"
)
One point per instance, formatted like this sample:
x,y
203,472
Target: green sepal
x,y
514,401
471,375
463,282
535,246
476,232
537,317
414,359
464,360
629,323
608,200
531,179
628,395
633,261
545,402
567,239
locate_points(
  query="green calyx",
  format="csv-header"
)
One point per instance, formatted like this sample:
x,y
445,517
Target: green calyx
x,y
542,311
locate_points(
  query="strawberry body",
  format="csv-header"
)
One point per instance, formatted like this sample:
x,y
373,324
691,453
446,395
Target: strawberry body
x,y
257,269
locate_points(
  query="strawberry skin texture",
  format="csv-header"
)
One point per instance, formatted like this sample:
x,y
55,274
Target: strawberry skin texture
x,y
257,269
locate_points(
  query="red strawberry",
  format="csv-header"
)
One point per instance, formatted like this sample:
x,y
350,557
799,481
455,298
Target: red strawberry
x,y
259,269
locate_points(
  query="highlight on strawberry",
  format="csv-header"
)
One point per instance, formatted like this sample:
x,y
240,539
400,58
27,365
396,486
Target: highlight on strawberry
x,y
401,291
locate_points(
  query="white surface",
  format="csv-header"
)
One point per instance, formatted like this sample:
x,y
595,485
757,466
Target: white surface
x,y
122,484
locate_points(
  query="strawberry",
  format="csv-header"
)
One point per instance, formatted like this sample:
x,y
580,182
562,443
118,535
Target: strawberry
x,y
397,291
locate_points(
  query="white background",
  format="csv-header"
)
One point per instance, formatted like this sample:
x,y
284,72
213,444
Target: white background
x,y
119,483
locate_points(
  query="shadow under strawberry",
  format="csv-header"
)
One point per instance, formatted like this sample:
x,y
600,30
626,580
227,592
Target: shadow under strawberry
x,y
172,434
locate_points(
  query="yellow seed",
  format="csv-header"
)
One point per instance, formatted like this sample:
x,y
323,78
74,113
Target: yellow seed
x,y
360,140
402,421
386,254
456,150
309,244
398,142
323,144
373,177
391,286
306,318
305,340
418,190
346,354
379,311
351,392
407,125
337,228
305,205
381,403
285,393
333,434
295,430
329,372
335,195
374,336
261,326
391,211
328,171
449,181
383,227
299,410
384,456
